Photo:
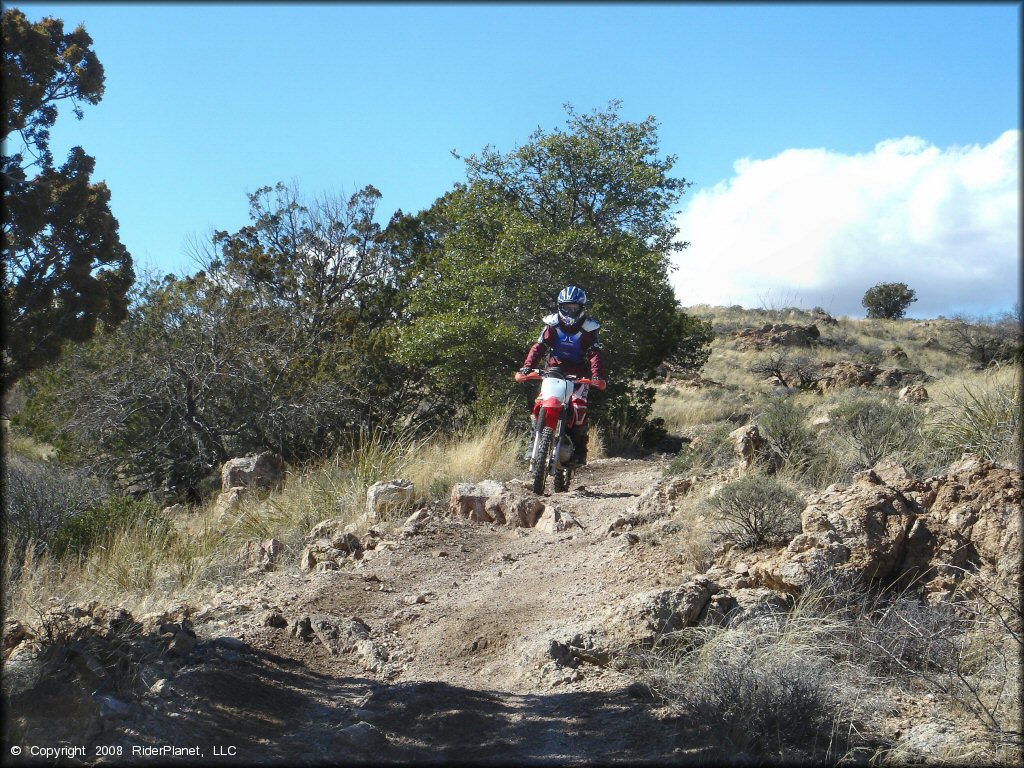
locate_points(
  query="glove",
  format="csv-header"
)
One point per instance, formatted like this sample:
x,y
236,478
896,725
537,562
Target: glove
x,y
598,383
525,370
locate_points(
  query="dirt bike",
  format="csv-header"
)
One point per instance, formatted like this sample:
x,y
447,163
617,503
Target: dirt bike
x,y
553,417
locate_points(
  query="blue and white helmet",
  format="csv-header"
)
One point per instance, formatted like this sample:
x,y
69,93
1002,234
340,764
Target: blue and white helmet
x,y
572,306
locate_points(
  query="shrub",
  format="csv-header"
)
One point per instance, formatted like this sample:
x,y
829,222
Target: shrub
x,y
876,428
791,441
102,519
986,340
756,510
39,498
626,421
789,370
764,694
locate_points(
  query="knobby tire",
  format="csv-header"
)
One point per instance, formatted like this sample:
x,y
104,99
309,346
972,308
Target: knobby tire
x,y
561,480
541,458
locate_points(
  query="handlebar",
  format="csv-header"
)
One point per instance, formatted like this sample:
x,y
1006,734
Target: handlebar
x,y
536,375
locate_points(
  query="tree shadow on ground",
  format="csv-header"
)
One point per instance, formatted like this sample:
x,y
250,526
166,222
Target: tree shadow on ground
x,y
251,706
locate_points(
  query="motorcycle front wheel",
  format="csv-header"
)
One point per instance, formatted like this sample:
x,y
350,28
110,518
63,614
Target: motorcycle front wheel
x,y
561,480
540,459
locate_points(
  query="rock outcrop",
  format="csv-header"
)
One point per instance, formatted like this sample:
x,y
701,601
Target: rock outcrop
x,y
641,619
329,545
748,443
914,393
264,471
889,526
658,501
260,554
776,335
843,374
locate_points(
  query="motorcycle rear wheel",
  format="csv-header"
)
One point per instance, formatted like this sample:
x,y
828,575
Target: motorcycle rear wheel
x,y
540,460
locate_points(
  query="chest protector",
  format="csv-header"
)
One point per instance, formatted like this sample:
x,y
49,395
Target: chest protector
x,y
568,346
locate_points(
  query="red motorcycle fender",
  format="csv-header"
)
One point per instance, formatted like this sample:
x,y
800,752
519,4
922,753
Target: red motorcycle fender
x,y
552,408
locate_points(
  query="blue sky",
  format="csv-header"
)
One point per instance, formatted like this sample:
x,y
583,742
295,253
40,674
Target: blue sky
x,y
782,116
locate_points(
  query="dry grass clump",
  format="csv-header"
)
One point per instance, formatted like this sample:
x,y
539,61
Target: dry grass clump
x,y
711,449
867,428
17,445
761,691
491,450
728,366
979,413
820,682
683,408
149,561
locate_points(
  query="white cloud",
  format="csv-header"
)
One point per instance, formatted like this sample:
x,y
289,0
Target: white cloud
x,y
813,227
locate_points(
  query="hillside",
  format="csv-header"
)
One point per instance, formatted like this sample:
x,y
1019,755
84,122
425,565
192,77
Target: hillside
x,y
631,619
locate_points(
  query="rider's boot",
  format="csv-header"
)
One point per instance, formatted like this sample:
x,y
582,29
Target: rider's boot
x,y
580,438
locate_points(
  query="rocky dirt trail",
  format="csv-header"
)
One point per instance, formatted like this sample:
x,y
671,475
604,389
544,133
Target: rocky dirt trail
x,y
449,640
440,645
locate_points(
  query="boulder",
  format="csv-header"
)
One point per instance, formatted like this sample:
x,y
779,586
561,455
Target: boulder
x,y
747,444
414,523
756,606
658,501
821,317
264,471
568,646
387,498
914,393
555,520
260,554
642,618
329,545
492,502
228,501
15,633
345,636
843,375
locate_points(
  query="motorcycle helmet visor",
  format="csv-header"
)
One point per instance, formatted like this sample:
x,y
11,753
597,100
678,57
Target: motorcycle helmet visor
x,y
571,308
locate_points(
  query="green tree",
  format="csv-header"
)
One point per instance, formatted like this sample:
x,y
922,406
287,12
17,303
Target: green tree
x,y
65,266
888,301
590,205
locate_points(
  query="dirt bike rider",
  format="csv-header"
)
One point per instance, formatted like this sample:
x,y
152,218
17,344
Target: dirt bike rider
x,y
570,342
